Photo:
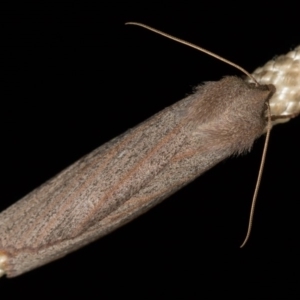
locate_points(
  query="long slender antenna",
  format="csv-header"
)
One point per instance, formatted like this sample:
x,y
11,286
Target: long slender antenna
x,y
195,47
263,159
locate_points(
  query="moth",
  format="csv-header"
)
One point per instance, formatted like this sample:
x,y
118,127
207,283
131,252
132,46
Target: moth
x,y
130,174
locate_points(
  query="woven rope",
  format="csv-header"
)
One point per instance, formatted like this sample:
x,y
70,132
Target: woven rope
x,y
3,259
284,73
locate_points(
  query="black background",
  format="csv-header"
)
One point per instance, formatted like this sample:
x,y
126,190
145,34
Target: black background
x,y
73,76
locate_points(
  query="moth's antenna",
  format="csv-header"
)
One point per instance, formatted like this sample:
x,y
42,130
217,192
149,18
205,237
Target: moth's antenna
x,y
263,159
195,47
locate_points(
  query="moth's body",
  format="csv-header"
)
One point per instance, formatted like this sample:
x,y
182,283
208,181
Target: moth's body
x,y
130,174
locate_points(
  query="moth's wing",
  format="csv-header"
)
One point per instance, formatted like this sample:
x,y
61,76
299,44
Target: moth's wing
x,y
62,214
131,173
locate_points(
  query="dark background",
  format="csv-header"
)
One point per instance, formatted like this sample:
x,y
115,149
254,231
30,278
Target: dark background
x,y
73,76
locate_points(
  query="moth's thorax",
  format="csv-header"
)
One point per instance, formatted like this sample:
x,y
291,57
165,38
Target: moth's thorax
x,y
231,111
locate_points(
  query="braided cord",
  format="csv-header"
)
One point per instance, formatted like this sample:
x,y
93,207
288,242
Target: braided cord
x,y
284,73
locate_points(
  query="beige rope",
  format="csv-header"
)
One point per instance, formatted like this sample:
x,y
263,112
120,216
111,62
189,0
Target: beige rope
x,y
284,73
3,259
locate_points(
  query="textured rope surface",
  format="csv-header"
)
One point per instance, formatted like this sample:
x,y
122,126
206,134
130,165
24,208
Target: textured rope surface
x,y
284,73
3,259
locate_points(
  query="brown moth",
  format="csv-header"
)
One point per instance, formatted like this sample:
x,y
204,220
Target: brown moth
x,y
130,174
